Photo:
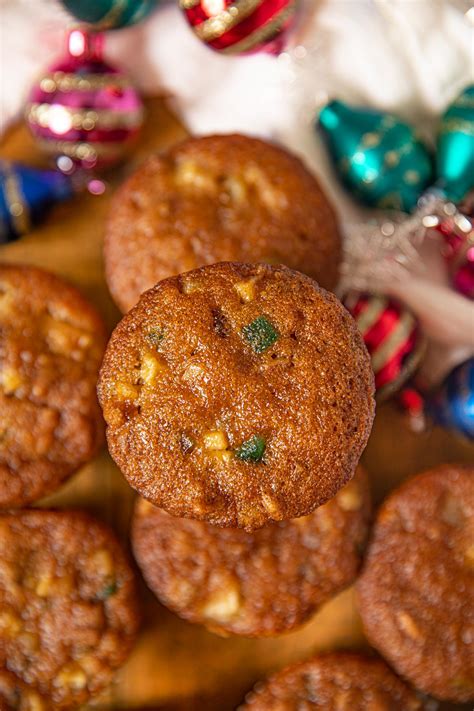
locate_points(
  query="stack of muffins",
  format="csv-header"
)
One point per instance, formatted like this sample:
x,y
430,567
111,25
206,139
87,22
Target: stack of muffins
x,y
238,397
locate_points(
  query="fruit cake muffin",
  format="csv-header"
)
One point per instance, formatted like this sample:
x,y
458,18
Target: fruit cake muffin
x,y
337,681
218,199
416,592
51,345
253,584
15,695
68,615
237,394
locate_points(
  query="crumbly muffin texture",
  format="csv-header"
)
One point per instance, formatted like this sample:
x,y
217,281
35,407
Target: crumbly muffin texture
x,y
416,592
68,614
218,199
15,695
51,345
253,584
237,394
338,681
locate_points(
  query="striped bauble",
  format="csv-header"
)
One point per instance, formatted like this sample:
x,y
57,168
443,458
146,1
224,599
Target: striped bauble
x,y
241,26
84,109
392,336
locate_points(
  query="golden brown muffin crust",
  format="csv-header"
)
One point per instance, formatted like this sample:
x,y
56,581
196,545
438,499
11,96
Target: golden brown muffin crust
x,y
51,345
237,394
218,199
68,615
337,681
15,695
253,584
416,592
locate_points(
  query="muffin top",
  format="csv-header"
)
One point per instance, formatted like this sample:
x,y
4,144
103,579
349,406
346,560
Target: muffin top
x,y
237,394
253,584
15,695
339,681
51,346
68,614
416,592
218,199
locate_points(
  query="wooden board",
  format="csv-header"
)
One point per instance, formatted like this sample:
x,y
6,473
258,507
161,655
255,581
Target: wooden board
x,y
177,665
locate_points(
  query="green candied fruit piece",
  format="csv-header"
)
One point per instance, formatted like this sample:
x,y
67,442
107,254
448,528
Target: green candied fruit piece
x,y
155,336
252,450
260,334
108,591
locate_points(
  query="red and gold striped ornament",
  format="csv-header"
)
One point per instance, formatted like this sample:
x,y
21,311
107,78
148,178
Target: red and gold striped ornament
x,y
392,336
241,26
83,110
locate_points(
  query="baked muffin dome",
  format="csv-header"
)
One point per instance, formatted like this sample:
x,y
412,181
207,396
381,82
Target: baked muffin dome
x,y
51,346
416,592
253,584
218,199
237,394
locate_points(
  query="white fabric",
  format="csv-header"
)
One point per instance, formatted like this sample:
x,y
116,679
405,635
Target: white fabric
x,y
407,56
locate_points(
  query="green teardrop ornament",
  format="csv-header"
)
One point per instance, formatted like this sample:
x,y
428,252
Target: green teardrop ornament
x,y
378,158
110,14
455,157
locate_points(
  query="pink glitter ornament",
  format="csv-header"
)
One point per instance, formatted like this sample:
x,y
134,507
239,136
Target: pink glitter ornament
x,y
83,108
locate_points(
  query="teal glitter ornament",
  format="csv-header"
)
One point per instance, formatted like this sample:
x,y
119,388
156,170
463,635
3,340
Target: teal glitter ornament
x,y
109,14
455,157
379,158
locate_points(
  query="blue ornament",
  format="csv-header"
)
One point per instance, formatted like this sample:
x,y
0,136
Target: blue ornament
x,y
455,158
378,158
453,405
25,196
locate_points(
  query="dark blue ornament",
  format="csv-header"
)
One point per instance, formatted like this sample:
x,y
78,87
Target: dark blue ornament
x,y
25,196
453,405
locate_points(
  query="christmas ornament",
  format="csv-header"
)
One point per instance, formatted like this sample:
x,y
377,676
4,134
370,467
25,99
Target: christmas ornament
x,y
240,26
455,149
25,196
453,405
392,337
383,163
84,109
109,14
458,250
379,158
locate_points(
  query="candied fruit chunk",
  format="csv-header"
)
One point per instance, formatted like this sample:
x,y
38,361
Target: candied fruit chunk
x,y
260,333
155,336
252,450
216,440
246,290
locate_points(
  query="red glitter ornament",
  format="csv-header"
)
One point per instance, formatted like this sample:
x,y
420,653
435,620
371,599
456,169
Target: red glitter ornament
x,y
392,336
241,26
84,109
458,249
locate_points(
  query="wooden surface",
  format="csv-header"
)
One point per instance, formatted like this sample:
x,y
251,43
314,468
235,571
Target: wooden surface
x,y
177,665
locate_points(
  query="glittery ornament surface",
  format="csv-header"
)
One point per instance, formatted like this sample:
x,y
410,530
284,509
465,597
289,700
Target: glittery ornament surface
x,y
458,250
455,154
392,337
378,157
240,26
453,405
109,14
83,108
25,195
